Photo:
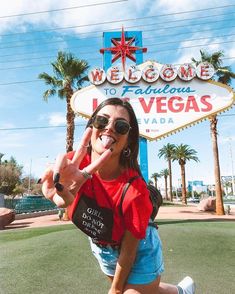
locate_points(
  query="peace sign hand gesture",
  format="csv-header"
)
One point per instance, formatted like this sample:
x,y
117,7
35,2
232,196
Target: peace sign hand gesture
x,y
61,182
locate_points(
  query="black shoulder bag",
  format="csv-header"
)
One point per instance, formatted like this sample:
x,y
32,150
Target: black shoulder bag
x,y
154,194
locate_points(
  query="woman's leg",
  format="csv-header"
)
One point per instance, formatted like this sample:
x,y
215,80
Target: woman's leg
x,y
143,289
167,289
153,288
186,286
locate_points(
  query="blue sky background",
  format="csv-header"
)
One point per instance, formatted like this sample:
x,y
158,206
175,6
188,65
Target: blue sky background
x,y
33,131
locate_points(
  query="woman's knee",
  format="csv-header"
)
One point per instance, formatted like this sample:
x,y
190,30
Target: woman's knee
x,y
132,291
151,288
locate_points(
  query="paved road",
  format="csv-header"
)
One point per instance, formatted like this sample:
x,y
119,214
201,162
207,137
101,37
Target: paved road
x,y
165,212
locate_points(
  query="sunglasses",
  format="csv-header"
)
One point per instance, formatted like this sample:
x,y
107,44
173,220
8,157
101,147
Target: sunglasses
x,y
121,126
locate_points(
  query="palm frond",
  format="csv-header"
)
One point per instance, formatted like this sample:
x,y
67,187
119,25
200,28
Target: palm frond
x,y
49,80
48,93
155,175
62,93
81,81
185,153
166,151
164,172
225,75
215,58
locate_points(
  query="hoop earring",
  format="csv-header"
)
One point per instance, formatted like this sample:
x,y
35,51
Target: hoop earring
x,y
127,152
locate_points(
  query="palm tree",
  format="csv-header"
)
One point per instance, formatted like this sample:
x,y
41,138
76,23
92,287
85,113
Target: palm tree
x,y
167,152
69,76
224,75
165,174
155,177
182,154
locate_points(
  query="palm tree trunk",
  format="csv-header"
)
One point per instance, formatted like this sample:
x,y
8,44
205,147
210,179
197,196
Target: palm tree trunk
x,y
218,190
166,188
184,198
70,116
170,179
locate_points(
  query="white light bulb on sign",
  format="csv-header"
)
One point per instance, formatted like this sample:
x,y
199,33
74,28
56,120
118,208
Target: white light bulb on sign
x,y
133,74
97,76
205,71
150,73
115,75
186,72
168,72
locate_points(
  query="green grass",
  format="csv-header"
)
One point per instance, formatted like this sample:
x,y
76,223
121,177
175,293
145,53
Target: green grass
x,y
58,259
203,250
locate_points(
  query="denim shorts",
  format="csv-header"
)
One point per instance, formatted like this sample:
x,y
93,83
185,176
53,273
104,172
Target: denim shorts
x,y
148,264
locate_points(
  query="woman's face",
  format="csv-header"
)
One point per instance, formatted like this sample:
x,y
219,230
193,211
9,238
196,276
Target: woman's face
x,y
108,137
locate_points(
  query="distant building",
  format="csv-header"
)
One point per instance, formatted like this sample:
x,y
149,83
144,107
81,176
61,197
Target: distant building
x,y
197,186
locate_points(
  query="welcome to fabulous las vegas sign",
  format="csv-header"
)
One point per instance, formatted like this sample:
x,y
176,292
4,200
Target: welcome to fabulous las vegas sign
x,y
166,98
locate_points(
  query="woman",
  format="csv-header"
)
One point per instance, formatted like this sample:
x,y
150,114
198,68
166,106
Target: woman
x,y
90,182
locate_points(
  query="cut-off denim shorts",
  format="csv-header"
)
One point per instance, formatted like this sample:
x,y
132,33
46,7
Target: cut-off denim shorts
x,y
148,264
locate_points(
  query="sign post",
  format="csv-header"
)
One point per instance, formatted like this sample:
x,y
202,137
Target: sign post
x,y
107,63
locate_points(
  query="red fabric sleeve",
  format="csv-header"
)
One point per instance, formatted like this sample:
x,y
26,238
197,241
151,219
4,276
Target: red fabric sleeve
x,y
137,208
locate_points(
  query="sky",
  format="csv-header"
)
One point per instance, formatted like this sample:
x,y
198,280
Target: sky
x,y
32,32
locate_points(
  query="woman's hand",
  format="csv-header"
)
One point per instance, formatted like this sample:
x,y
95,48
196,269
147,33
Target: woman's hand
x,y
61,182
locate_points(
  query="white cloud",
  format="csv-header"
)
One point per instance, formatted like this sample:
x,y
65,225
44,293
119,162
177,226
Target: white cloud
x,y
19,23
64,18
172,6
88,15
53,118
230,54
14,139
57,119
176,6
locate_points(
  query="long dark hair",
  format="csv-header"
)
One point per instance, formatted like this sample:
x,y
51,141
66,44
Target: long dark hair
x,y
133,136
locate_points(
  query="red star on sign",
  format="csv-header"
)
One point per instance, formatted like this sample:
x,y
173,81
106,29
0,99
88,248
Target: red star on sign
x,y
123,49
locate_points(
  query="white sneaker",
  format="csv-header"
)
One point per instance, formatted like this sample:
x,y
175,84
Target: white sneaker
x,y
188,286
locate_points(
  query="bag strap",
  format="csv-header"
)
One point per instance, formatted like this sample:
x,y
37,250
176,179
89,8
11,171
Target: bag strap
x,y
126,187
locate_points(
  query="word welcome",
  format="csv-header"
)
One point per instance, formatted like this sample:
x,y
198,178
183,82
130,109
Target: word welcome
x,y
151,73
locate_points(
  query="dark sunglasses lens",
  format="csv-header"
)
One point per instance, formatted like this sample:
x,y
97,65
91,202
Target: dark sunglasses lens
x,y
122,127
100,122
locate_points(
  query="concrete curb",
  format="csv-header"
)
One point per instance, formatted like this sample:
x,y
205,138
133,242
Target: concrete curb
x,y
35,214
